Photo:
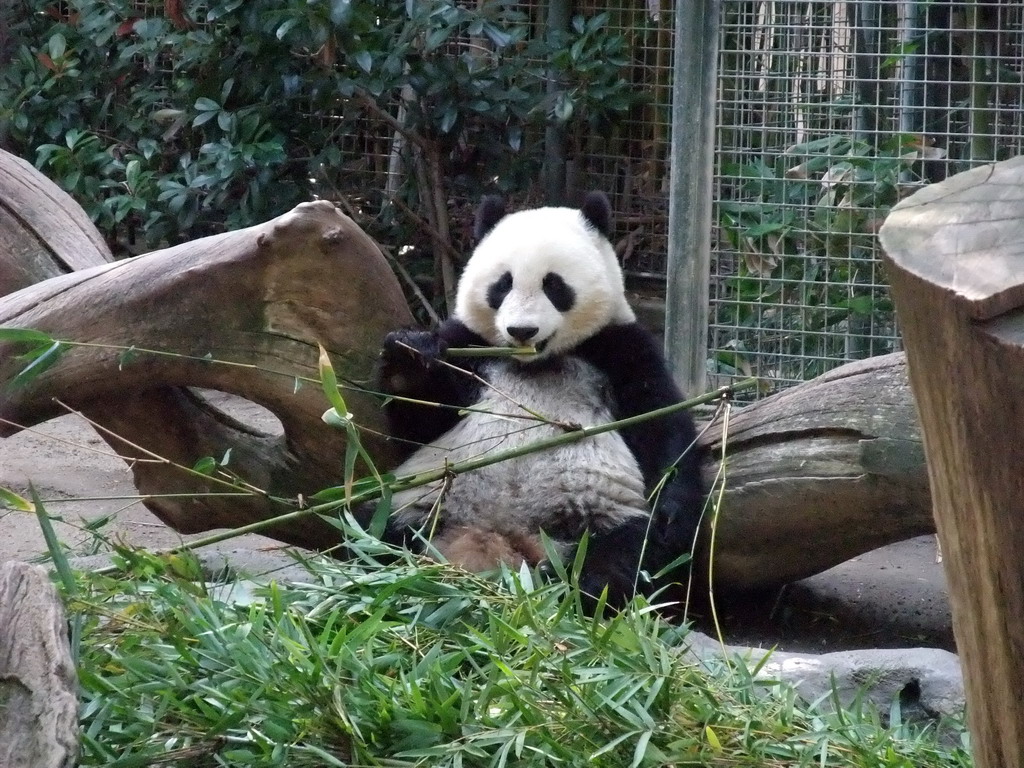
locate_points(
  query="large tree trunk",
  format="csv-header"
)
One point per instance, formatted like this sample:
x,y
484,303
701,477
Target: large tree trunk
x,y
816,475
957,270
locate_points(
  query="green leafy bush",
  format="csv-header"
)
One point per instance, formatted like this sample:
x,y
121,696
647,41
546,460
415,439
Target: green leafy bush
x,y
168,121
803,293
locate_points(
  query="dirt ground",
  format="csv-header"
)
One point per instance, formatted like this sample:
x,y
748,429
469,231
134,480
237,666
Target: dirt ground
x,y
894,597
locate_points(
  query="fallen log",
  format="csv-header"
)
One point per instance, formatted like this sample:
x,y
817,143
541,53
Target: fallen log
x,y
258,300
816,475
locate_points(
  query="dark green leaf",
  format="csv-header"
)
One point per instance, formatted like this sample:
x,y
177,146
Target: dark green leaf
x,y
25,336
563,108
448,119
498,36
436,38
204,104
57,46
285,27
324,495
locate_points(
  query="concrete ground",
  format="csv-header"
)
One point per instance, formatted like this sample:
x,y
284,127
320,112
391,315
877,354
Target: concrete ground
x,y
890,598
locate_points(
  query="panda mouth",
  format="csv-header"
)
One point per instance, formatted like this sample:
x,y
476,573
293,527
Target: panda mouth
x,y
537,348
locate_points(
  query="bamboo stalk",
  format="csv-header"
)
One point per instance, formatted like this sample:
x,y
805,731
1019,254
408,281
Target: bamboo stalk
x,y
423,478
491,351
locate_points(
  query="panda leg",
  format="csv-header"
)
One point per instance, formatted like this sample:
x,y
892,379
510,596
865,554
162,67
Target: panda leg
x,y
612,561
627,559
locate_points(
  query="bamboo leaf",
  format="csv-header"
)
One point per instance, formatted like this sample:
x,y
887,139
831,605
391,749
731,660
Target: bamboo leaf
x,y
329,382
205,465
712,738
38,366
25,336
11,500
641,748
60,561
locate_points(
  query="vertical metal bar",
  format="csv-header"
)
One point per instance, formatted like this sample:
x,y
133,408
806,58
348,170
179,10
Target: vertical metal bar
x,y
690,191
908,74
559,13
982,146
864,19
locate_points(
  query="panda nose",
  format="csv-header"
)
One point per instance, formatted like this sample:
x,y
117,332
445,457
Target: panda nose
x,y
522,333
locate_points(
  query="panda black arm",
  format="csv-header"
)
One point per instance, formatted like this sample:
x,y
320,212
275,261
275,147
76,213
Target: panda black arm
x,y
411,367
631,359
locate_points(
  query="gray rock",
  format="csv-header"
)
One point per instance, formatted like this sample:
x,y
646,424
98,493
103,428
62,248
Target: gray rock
x,y
38,685
261,565
927,682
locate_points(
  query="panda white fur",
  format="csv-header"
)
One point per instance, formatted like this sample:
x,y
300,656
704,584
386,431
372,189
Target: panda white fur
x,y
549,278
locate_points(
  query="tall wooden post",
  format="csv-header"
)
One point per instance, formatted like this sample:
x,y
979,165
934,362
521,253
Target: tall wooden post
x,y
955,257
690,181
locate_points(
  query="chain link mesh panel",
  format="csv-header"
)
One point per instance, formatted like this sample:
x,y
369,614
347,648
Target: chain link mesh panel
x,y
828,114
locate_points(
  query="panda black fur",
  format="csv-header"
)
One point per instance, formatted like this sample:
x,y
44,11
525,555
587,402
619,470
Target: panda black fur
x,y
546,277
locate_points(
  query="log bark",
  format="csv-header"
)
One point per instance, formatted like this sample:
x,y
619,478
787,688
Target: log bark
x,y
956,264
816,475
38,685
43,232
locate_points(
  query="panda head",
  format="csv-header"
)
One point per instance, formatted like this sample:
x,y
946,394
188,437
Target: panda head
x,y
546,277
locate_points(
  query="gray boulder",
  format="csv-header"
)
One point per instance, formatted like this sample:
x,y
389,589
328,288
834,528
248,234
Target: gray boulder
x,y
927,682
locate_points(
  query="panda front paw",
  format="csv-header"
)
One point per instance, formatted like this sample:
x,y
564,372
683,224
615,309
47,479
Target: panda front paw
x,y
596,577
408,357
611,564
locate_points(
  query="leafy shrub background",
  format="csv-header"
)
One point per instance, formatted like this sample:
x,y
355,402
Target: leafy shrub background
x,y
802,227
172,120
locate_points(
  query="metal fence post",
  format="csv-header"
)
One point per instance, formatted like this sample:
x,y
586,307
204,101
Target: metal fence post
x,y
690,179
557,18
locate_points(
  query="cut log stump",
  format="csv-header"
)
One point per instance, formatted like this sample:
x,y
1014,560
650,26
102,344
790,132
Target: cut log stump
x,y
955,256
38,685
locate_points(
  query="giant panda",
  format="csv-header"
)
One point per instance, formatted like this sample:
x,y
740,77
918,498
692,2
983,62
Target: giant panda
x,y
546,278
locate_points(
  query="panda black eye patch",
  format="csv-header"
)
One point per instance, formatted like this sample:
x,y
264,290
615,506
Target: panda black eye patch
x,y
499,290
561,296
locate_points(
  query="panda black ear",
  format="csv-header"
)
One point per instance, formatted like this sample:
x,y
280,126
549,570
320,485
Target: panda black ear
x,y
598,211
490,212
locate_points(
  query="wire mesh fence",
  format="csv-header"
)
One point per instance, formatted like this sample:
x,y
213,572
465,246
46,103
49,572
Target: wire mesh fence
x,y
828,114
